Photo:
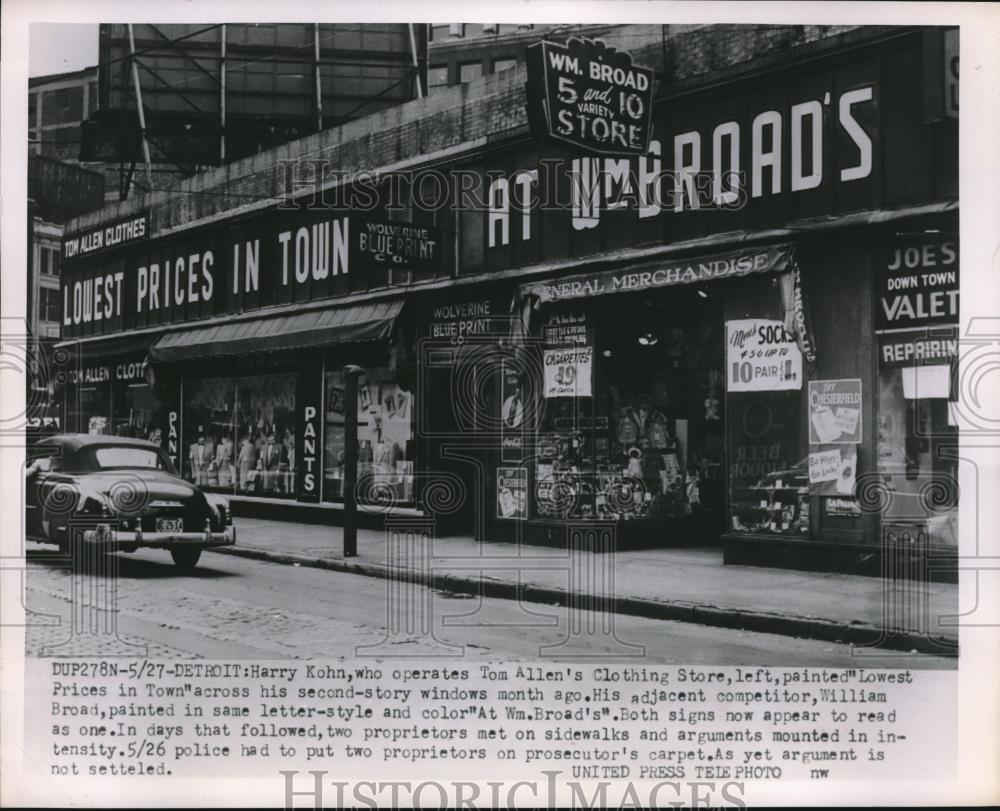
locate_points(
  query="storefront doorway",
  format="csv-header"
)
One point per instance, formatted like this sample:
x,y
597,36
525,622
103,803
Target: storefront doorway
x,y
632,424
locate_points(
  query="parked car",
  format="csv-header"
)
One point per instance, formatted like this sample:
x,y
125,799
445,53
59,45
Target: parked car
x,y
119,494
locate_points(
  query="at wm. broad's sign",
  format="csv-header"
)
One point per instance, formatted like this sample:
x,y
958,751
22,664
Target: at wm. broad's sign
x,y
590,96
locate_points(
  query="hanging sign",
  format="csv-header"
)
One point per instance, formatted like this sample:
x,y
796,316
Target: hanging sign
x,y
835,411
761,355
584,94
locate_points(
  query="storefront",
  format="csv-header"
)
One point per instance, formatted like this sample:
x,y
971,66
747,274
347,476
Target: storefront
x,y
226,344
745,334
740,330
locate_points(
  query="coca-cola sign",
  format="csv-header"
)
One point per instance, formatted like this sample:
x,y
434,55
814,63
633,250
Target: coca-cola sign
x,y
589,96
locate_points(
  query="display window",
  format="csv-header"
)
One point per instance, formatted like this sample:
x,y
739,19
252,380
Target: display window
x,y
632,420
91,410
136,411
917,450
385,439
768,466
240,433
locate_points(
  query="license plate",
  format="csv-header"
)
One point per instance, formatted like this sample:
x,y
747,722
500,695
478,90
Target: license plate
x,y
169,524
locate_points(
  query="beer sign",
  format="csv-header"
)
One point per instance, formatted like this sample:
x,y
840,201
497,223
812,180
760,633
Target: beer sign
x,y
589,96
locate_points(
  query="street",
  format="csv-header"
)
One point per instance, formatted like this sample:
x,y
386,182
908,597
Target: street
x,y
236,608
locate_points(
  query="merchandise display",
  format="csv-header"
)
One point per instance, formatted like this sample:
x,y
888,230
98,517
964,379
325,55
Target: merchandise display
x,y
648,443
242,434
385,439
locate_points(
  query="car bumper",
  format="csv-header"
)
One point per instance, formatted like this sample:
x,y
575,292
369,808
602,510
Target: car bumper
x,y
110,538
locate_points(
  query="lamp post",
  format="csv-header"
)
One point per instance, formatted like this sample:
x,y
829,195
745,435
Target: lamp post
x,y
351,374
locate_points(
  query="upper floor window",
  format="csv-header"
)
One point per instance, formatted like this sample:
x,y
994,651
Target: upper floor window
x,y
470,71
437,76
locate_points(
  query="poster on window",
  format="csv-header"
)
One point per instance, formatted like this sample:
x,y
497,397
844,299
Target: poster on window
x,y
568,372
512,492
511,414
835,412
761,355
832,471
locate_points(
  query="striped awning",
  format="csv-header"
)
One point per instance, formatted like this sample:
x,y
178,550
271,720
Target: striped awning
x,y
350,324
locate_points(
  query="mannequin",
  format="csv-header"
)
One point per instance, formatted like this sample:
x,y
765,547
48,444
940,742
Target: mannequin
x,y
224,461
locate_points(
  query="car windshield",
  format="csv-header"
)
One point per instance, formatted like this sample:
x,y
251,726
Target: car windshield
x,y
115,456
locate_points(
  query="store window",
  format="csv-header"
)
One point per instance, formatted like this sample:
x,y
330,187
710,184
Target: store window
x,y
135,411
500,65
469,71
765,382
240,433
917,444
385,434
89,413
437,76
632,422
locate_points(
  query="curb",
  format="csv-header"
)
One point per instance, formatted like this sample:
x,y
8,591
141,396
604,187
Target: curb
x,y
856,633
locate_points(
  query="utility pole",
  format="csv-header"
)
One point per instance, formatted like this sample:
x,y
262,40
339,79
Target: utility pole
x,y
351,374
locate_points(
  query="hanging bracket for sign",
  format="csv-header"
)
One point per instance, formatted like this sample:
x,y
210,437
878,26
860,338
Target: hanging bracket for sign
x,y
587,95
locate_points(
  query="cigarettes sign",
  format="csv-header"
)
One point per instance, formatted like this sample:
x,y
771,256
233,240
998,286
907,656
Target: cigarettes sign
x,y
590,96
568,372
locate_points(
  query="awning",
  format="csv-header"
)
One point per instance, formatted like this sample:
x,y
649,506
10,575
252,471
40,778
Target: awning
x,y
117,346
667,272
350,324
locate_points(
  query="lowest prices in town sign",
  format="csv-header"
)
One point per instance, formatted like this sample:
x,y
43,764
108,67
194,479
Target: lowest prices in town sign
x,y
584,94
761,355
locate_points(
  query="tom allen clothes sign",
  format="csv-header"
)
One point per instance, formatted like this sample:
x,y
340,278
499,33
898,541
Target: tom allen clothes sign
x,y
586,95
112,235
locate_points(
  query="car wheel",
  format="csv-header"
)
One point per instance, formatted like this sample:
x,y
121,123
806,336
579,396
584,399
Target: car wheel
x,y
185,558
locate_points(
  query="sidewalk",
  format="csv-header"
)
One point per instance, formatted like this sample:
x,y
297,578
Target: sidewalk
x,y
689,585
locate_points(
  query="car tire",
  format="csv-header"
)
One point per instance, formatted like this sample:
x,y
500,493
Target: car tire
x,y
185,558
